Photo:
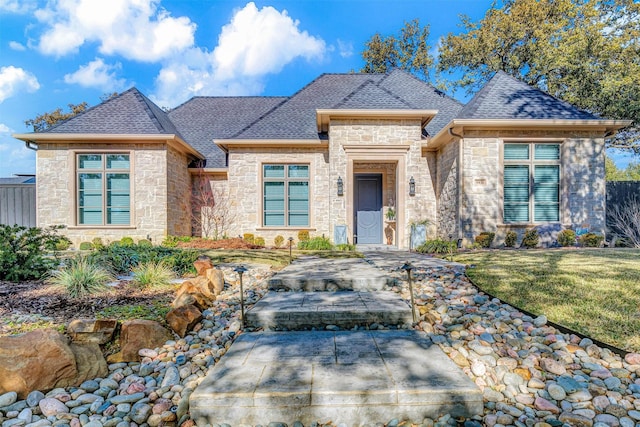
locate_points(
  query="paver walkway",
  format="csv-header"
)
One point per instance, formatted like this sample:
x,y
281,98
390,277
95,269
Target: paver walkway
x,y
351,377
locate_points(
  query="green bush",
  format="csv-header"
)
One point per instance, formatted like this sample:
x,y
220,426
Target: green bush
x,y
485,239
152,274
249,237
530,238
591,240
510,239
97,243
438,246
181,261
62,244
172,241
303,235
127,241
144,243
23,250
85,246
278,241
259,241
346,247
80,277
315,244
567,238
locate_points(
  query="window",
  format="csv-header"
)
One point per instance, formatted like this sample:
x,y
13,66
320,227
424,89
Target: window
x,y
104,191
531,182
286,195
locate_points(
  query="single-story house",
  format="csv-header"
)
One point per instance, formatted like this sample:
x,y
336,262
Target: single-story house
x,y
334,159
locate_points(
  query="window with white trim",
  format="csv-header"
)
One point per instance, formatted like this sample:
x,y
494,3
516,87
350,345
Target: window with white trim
x,y
104,189
531,183
285,195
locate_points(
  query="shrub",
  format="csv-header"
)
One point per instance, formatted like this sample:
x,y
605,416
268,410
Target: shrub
x,y
120,259
86,246
591,240
62,244
530,238
567,238
249,237
485,239
510,239
181,261
97,243
303,235
152,274
278,241
23,250
346,247
315,244
144,243
438,246
259,241
625,221
80,277
127,241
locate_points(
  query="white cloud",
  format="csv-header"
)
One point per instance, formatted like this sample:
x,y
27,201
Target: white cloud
x,y
256,42
16,46
99,75
18,6
14,80
135,29
15,158
345,49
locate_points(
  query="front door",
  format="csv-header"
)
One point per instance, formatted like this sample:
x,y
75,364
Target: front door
x,y
368,208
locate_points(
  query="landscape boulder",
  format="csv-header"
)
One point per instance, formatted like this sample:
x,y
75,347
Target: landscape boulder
x,y
199,291
183,319
136,335
202,264
216,280
98,331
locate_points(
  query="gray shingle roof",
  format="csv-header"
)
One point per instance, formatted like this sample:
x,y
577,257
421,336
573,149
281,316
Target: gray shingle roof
x,y
505,97
128,113
370,96
203,119
27,179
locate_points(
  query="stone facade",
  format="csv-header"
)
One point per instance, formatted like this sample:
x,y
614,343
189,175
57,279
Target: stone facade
x,y
448,190
178,194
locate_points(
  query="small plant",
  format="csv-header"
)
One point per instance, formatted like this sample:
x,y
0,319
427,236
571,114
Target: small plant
x,y
510,239
303,235
530,238
315,244
97,243
152,274
567,238
346,247
81,277
62,244
259,241
86,246
485,239
437,246
391,214
591,240
249,237
127,241
278,241
182,261
144,243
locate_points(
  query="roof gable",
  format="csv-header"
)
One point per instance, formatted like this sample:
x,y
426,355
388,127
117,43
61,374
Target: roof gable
x,y
128,113
505,97
370,96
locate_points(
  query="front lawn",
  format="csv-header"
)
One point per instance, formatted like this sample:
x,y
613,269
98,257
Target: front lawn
x,y
593,291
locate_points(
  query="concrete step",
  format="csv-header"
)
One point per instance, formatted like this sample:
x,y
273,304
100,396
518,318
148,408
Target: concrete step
x,y
317,274
356,378
306,310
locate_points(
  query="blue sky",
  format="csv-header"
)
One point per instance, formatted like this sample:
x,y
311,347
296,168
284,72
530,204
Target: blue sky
x,y
57,52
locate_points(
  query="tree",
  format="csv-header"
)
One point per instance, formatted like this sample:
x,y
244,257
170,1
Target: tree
x,y
582,51
44,121
408,50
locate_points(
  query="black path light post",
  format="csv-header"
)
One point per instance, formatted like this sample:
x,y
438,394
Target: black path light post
x,y
408,267
240,270
290,243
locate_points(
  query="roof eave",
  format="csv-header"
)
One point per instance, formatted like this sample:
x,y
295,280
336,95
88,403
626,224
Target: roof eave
x,y
323,116
457,127
52,138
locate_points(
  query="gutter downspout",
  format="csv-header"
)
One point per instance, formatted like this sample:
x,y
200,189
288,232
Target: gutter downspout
x,y
31,145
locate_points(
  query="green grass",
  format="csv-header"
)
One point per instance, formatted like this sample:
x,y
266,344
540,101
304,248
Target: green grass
x,y
277,258
81,277
593,291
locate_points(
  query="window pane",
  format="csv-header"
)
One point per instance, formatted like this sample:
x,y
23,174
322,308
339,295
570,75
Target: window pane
x,y
547,152
546,213
516,213
117,161
273,171
516,193
119,200
117,216
516,151
90,216
547,174
273,219
118,182
90,200
298,171
90,161
91,182
298,219
516,174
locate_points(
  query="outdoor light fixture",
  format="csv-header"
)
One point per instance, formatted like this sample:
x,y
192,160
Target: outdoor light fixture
x,y
240,270
290,243
408,267
412,186
340,187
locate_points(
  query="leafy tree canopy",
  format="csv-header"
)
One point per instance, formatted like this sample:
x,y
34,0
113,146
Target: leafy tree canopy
x,y
586,52
613,173
409,50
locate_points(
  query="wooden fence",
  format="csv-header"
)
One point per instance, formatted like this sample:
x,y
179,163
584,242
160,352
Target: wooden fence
x,y
18,204
618,194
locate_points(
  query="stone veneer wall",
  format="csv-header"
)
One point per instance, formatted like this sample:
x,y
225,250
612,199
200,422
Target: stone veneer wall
x,y
217,192
55,168
178,193
245,192
583,189
448,190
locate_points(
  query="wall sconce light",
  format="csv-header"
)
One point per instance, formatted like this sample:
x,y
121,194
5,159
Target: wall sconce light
x,y
412,187
340,187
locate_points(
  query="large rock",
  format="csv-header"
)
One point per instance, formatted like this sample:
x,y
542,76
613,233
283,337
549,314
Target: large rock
x,y
37,360
200,289
216,280
136,335
91,330
90,363
202,264
183,319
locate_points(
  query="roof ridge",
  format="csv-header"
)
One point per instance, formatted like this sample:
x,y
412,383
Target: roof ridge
x,y
153,115
435,89
369,82
260,118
